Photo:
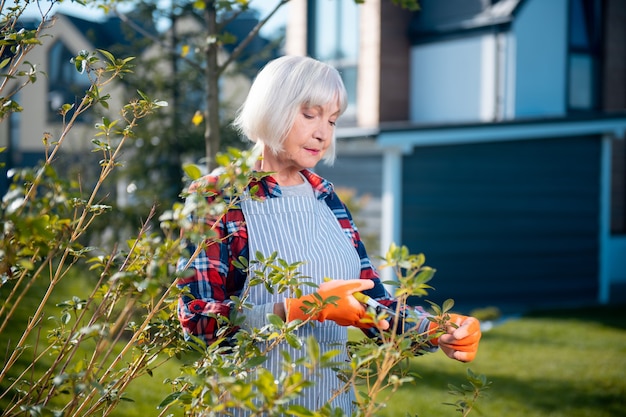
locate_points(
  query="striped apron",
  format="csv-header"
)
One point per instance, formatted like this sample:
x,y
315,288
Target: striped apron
x,y
302,228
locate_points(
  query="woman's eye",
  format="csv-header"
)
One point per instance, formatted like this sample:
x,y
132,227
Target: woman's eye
x,y
332,123
307,116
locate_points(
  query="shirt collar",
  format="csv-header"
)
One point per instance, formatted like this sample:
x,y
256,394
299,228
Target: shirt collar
x,y
321,186
268,187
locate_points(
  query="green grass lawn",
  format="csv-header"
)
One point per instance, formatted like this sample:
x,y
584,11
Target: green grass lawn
x,y
146,392
564,363
567,363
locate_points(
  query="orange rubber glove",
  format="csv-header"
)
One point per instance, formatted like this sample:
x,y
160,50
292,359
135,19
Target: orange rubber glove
x,y
461,337
347,311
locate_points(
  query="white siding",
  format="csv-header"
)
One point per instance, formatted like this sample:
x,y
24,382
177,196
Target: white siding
x,y
453,80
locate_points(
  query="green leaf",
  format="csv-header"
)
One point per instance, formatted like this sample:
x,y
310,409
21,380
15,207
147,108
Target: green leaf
x,y
293,341
169,399
275,320
109,56
299,411
143,96
222,160
425,274
313,348
192,171
65,318
256,361
265,383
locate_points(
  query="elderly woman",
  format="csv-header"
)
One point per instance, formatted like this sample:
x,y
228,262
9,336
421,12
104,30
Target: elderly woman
x,y
290,115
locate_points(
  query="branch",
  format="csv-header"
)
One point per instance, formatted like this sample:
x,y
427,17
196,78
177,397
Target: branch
x,y
238,50
164,45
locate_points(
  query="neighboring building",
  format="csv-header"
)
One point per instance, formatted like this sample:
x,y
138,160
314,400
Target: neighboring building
x,y
492,135
59,82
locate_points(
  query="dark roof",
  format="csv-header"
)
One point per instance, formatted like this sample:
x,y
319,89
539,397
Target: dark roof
x,y
106,33
28,23
437,18
102,34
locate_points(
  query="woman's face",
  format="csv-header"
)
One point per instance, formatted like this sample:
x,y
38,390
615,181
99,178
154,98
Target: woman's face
x,y
309,137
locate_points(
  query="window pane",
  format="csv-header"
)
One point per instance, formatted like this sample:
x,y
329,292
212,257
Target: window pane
x,y
15,119
335,40
349,30
580,81
66,85
336,30
349,74
578,30
325,29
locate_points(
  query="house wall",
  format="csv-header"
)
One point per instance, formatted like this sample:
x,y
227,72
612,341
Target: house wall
x,y
508,224
28,149
614,66
34,99
540,33
449,81
614,99
360,173
368,100
494,75
35,96
394,63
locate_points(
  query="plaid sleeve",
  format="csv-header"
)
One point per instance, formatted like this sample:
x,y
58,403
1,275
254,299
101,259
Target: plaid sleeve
x,y
213,278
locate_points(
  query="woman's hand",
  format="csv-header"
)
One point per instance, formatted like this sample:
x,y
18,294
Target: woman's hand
x,y
345,310
461,337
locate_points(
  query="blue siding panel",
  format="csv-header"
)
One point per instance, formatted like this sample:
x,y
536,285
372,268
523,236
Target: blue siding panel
x,y
510,224
358,172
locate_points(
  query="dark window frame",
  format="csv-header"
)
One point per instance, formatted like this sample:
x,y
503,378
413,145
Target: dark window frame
x,y
585,42
66,85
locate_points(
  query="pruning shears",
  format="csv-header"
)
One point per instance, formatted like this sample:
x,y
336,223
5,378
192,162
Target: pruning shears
x,y
369,301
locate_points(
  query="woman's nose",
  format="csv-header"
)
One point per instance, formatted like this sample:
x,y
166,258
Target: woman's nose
x,y
322,131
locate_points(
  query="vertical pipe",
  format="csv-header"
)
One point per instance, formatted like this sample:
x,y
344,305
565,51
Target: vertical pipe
x,y
391,204
604,255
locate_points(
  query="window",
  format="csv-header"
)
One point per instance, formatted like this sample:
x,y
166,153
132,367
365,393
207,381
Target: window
x,y
13,156
334,38
585,30
66,85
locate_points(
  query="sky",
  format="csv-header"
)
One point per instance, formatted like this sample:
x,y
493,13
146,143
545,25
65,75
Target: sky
x,y
85,12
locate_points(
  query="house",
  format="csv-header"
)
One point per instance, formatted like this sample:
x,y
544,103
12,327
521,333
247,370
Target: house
x,y
491,134
59,82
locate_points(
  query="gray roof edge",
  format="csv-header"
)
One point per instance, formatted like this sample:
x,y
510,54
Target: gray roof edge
x,y
539,128
501,13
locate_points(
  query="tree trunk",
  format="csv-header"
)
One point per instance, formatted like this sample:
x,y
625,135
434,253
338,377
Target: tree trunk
x,y
212,137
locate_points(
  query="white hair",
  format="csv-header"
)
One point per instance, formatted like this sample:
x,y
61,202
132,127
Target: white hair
x,y
278,93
